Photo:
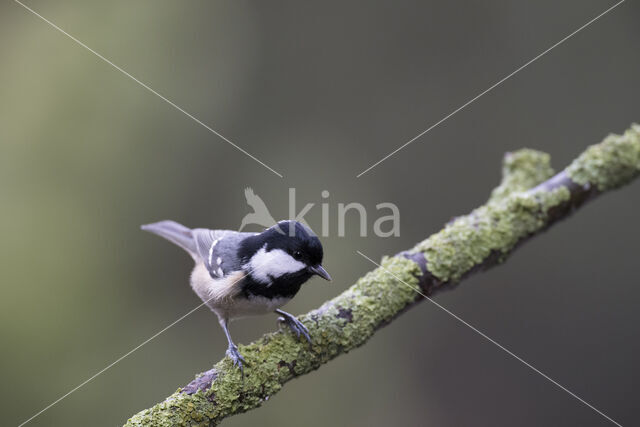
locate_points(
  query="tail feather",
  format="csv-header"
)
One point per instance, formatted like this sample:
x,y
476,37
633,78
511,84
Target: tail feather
x,y
175,233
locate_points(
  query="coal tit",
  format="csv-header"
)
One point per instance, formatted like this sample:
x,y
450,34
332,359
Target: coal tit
x,y
238,274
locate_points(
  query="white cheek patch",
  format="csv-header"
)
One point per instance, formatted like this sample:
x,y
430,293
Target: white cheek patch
x,y
274,263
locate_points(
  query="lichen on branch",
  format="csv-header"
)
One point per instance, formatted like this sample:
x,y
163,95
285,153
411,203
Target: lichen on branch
x,y
610,164
522,170
529,200
336,327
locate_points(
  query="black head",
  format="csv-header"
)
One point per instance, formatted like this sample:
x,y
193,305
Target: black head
x,y
297,240
283,257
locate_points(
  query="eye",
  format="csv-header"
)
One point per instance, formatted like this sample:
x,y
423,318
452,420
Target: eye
x,y
297,255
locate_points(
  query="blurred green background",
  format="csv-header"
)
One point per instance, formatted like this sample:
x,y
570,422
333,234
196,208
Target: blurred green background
x,y
319,91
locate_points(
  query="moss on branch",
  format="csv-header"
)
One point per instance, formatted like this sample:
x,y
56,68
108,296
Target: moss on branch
x,y
522,170
529,200
610,164
337,327
494,227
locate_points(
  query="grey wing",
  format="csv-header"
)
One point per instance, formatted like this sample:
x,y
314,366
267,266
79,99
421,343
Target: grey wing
x,y
219,250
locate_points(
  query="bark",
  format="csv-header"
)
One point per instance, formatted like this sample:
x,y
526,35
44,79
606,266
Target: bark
x,y
528,201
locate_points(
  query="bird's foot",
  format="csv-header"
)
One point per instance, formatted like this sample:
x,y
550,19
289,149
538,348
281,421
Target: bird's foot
x,y
236,357
295,325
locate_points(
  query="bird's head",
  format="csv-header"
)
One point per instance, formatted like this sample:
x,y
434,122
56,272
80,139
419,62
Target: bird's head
x,y
288,251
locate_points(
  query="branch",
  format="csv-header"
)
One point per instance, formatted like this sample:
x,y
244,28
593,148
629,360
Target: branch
x,y
528,201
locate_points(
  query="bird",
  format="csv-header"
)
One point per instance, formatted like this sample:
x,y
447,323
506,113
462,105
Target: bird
x,y
260,215
239,274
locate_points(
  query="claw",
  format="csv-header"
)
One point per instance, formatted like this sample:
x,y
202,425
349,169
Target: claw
x,y
295,325
236,358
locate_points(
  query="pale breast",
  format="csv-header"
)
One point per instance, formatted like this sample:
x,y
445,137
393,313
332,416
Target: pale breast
x,y
225,298
215,293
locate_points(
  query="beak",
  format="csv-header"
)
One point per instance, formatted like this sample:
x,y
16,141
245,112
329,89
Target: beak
x,y
320,271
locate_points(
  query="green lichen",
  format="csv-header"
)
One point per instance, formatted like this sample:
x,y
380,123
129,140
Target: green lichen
x,y
177,410
493,228
511,213
522,170
610,164
278,357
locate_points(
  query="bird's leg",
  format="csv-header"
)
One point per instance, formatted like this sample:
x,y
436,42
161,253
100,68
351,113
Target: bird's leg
x,y
232,351
293,323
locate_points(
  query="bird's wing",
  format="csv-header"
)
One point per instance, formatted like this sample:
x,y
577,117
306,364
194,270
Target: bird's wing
x,y
206,242
219,250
